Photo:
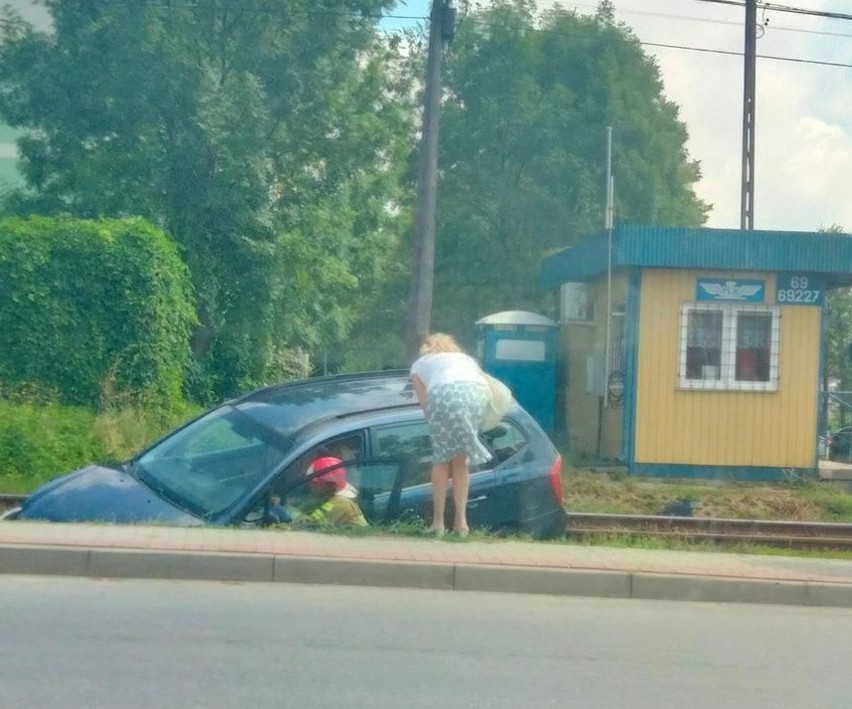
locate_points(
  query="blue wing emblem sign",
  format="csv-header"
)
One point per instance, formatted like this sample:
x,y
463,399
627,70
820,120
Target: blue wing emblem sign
x,y
744,291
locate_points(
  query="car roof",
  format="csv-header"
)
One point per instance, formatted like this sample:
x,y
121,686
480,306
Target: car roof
x,y
288,408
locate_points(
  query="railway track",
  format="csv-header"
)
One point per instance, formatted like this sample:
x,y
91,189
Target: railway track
x,y
9,501
791,535
588,525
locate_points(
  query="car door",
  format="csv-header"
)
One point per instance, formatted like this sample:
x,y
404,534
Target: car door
x,y
409,445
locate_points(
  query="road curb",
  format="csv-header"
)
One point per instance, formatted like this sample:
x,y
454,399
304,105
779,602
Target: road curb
x,y
278,568
554,582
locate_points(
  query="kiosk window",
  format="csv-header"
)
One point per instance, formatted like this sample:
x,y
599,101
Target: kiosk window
x,y
729,347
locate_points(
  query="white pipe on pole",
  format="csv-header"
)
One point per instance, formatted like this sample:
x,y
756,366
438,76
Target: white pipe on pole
x,y
608,222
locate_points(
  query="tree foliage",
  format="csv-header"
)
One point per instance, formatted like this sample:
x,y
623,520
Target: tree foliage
x,y
837,331
86,305
838,336
523,151
267,137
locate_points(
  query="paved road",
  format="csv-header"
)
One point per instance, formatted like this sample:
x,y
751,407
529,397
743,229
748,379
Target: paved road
x,y
72,642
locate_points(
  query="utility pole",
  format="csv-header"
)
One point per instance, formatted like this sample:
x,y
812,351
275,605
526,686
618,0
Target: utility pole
x,y
441,31
747,202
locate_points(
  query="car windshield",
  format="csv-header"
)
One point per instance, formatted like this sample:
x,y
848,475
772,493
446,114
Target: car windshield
x,y
208,465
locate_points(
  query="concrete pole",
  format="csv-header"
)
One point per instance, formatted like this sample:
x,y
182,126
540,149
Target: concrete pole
x,y
749,90
423,247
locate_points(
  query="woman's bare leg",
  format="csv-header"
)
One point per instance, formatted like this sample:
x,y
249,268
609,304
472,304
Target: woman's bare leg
x,y
440,476
461,488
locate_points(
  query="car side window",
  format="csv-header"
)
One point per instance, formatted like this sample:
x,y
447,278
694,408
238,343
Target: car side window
x,y
409,443
504,441
348,448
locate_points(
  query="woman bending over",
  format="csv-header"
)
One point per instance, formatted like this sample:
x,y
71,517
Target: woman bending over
x,y
453,394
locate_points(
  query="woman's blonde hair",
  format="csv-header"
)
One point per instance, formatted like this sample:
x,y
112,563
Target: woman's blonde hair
x,y
439,342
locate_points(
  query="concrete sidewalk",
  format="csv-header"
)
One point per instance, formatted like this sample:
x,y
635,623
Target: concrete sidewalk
x,y
228,554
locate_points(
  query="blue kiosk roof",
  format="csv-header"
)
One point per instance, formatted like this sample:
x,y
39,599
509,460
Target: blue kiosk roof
x,y
637,246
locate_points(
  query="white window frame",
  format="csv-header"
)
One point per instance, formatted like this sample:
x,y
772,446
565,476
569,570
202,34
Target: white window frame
x,y
727,380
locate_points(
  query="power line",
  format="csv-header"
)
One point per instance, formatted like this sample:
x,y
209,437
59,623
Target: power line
x,y
729,23
795,60
785,8
706,50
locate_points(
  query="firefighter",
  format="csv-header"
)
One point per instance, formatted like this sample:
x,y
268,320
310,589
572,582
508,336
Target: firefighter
x,y
334,503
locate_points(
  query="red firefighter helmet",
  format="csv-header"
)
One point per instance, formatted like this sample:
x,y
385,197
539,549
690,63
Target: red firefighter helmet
x,y
329,482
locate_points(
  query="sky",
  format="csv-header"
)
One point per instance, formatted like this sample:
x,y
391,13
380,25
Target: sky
x,y
803,115
803,112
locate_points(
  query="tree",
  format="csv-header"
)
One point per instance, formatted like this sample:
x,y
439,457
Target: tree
x,y
523,151
838,336
267,137
837,340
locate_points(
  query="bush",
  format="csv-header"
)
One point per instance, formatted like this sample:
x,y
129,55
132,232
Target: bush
x,y
88,304
38,442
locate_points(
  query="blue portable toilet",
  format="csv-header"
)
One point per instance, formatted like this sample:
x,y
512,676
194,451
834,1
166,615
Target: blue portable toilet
x,y
520,348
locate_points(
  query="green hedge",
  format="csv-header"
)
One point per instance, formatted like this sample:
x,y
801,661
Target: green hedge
x,y
88,306
38,442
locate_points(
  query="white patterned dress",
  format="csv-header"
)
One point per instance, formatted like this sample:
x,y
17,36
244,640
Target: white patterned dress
x,y
456,399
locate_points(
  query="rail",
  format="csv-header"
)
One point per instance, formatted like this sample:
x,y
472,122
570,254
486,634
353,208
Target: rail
x,y
792,535
9,501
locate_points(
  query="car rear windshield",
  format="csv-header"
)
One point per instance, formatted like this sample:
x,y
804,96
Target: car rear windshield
x,y
208,465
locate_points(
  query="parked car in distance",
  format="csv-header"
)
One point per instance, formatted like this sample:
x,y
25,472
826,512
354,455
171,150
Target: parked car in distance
x,y
840,445
236,462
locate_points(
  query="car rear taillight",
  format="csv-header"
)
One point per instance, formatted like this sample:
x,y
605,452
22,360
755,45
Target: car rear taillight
x,y
556,479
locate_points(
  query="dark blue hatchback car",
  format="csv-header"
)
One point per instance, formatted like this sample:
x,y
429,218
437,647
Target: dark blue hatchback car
x,y
228,466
